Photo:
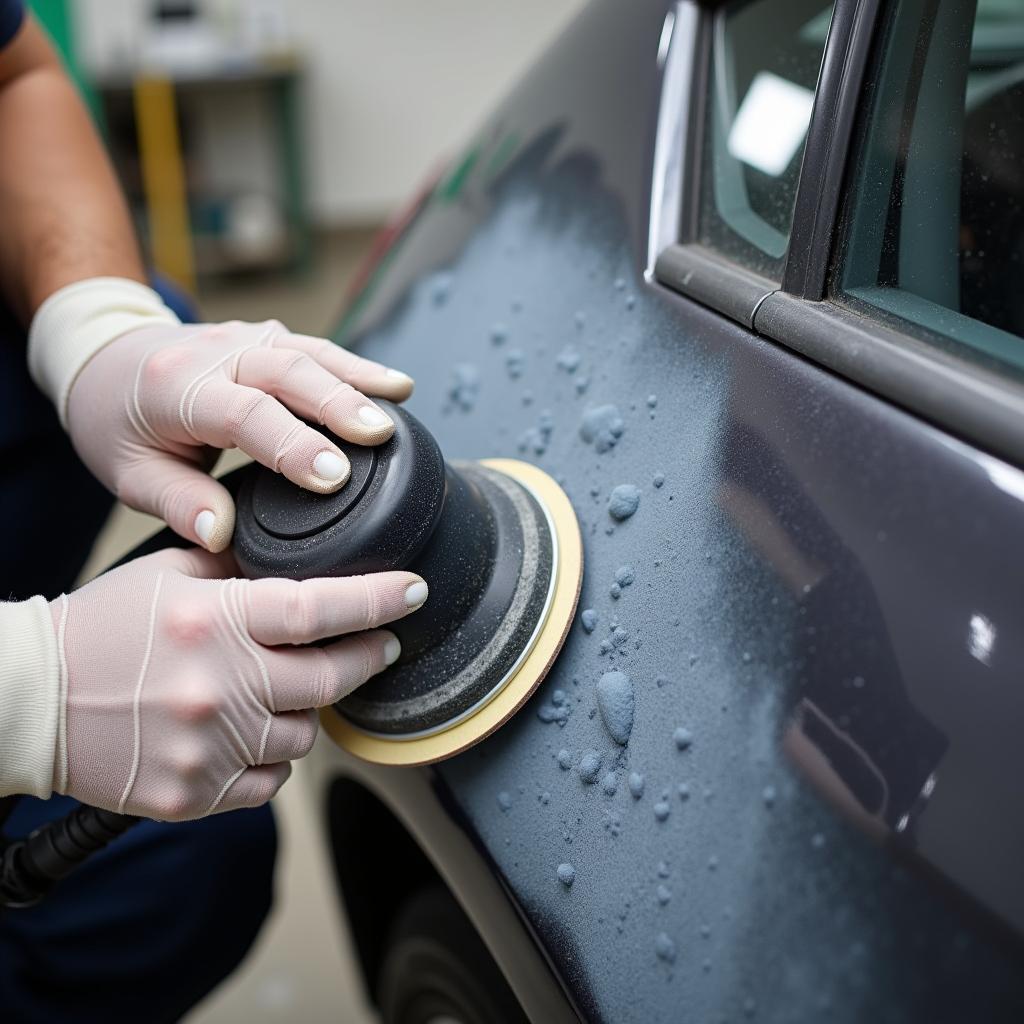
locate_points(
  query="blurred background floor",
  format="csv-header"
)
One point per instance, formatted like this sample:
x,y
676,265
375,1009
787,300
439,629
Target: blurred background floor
x,y
302,968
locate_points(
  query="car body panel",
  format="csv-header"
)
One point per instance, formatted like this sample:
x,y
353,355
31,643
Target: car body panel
x,y
827,596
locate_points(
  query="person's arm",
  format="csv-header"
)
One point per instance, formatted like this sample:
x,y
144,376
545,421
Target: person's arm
x,y
64,218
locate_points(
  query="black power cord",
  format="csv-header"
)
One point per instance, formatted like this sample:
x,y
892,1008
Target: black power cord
x,y
30,867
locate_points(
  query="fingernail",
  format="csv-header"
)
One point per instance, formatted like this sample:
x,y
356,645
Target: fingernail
x,y
373,417
204,524
392,649
330,467
416,594
402,378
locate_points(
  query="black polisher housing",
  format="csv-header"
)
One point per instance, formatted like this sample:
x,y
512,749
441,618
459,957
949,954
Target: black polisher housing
x,y
478,537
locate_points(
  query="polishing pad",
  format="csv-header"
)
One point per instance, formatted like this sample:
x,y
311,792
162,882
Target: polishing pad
x,y
499,546
452,696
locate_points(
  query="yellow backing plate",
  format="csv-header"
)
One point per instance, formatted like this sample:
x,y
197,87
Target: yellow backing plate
x,y
515,693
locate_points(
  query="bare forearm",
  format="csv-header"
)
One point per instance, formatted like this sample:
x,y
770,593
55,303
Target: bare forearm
x,y
62,213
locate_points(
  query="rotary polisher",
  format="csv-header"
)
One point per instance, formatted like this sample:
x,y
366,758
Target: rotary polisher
x,y
499,545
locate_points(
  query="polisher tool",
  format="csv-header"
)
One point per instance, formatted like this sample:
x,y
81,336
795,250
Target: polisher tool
x,y
499,545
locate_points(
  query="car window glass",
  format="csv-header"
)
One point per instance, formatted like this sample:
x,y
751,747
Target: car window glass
x,y
935,224
765,60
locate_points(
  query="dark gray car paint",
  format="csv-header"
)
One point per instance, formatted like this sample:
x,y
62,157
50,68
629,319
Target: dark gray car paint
x,y
806,582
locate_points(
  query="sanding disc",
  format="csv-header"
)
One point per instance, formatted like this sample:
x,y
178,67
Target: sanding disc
x,y
524,676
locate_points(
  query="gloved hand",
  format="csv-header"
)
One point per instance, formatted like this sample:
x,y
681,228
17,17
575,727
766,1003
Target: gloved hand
x,y
148,401
179,693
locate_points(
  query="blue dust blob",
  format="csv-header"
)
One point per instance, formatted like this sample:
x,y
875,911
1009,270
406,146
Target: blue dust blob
x,y
652,401
464,386
602,427
590,766
610,783
661,810
515,360
768,796
536,439
615,591
664,894
580,319
665,948
566,874
588,619
662,869
564,760
624,501
441,287
683,791
683,738
582,383
559,713
619,636
569,360
636,785
499,334
615,702
625,575
620,284
558,697
658,480
504,801
630,301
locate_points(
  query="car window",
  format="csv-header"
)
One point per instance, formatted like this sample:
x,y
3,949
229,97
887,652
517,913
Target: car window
x,y
934,233
765,60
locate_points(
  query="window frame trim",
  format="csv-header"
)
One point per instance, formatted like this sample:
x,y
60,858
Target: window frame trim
x,y
954,393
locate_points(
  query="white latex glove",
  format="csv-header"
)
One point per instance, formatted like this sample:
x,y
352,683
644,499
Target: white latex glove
x,y
179,693
148,401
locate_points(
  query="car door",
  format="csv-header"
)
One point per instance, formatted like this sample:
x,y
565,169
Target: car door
x,y
740,257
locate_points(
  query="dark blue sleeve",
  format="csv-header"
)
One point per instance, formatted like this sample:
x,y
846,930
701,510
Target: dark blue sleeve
x,y
12,13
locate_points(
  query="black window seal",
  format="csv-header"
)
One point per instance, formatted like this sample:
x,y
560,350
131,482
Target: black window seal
x,y
827,149
719,282
977,404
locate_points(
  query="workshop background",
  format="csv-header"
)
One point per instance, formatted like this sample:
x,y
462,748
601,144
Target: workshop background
x,y
262,144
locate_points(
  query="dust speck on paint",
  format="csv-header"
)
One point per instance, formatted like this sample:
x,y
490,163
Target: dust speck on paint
x,y
588,619
441,288
636,785
624,501
615,702
569,360
664,894
566,874
590,766
504,801
658,480
464,387
625,575
515,362
665,948
499,334
602,426
610,783
661,810
682,738
564,760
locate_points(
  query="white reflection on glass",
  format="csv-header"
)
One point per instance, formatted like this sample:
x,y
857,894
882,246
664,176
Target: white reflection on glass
x,y
981,637
771,123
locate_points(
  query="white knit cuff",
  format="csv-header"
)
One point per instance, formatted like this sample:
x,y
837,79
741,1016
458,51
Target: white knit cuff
x,y
29,698
76,321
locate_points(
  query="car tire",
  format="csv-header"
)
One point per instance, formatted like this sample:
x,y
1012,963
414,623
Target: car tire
x,y
436,969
